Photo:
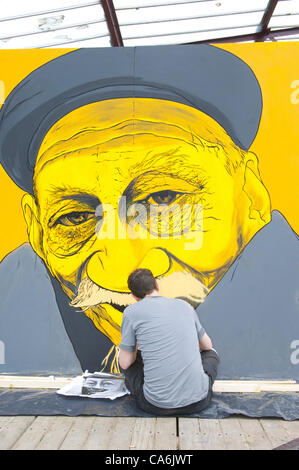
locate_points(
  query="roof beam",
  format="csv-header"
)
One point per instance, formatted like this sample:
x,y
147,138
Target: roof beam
x,y
266,20
112,23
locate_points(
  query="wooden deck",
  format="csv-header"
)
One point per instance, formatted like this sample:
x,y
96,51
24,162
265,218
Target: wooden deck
x,y
93,432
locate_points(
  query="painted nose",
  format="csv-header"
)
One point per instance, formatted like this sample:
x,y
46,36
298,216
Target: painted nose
x,y
111,270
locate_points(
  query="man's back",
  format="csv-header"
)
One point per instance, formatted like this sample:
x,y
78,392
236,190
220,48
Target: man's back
x,y
167,332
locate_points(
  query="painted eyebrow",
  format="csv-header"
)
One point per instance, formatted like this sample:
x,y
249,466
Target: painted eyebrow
x,y
81,197
191,174
139,185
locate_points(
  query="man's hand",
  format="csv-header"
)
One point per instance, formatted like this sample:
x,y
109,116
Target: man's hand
x,y
126,358
205,343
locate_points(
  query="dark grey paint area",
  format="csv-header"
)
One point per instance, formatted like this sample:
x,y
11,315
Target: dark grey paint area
x,y
90,345
31,327
201,76
252,314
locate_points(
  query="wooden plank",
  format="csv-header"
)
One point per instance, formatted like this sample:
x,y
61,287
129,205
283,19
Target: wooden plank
x,y
189,434
237,388
292,445
254,434
34,382
261,382
4,420
28,432
55,436
143,435
200,434
121,434
12,428
279,431
275,431
233,434
165,434
279,388
100,433
211,434
230,386
34,433
292,428
78,433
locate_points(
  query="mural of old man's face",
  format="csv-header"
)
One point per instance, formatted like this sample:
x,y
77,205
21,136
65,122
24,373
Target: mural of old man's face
x,y
157,175
141,157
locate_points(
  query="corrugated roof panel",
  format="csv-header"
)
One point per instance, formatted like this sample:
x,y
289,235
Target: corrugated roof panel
x,y
75,23
18,8
284,21
188,37
236,4
286,14
33,24
54,21
57,37
286,7
85,42
124,4
292,37
188,10
190,26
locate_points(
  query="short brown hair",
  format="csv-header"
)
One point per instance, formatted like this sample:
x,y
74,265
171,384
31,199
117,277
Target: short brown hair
x,y
141,282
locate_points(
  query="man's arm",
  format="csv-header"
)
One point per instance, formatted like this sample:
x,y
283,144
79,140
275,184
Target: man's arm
x,y
126,358
128,344
205,343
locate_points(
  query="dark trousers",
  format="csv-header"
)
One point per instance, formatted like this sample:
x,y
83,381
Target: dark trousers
x,y
134,379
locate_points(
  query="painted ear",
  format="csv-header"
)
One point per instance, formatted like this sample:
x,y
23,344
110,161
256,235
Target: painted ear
x,y
34,228
260,205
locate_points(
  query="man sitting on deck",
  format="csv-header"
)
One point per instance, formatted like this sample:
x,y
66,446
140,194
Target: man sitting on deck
x,y
173,368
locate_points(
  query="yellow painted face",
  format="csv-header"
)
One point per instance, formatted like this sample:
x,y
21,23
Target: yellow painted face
x,y
104,160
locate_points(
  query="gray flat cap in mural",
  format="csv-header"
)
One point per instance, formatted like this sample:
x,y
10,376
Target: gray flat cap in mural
x,y
201,76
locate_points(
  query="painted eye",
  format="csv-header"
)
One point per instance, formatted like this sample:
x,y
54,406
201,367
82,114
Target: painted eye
x,y
74,218
163,197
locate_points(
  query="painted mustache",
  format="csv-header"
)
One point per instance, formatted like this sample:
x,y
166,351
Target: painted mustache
x,y
180,284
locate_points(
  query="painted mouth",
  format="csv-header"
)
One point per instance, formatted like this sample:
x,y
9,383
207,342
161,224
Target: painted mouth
x,y
179,284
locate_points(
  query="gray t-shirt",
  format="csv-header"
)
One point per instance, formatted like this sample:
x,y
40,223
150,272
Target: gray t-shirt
x,y
167,332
